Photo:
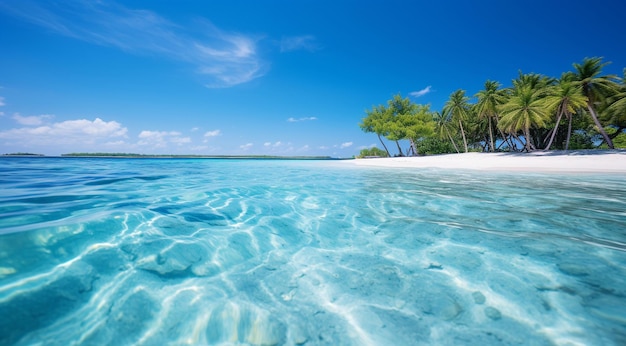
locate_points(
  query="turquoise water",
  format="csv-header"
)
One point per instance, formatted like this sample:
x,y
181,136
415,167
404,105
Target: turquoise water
x,y
155,252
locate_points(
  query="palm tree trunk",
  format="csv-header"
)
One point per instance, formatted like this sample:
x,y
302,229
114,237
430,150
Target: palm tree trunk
x,y
608,140
413,147
491,136
463,134
521,142
384,146
399,149
556,126
452,140
569,131
529,146
504,137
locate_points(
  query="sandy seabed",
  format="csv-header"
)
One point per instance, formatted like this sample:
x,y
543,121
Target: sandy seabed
x,y
579,161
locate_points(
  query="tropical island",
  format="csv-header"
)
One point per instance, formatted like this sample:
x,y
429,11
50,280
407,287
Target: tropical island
x,y
582,109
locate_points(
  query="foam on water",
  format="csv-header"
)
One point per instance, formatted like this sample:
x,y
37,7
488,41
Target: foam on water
x,y
153,252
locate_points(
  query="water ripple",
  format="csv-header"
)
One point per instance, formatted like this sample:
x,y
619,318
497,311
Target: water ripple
x,y
279,252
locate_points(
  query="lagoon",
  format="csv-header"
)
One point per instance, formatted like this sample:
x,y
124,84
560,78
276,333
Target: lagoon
x,y
218,251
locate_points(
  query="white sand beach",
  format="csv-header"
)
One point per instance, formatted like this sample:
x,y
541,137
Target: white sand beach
x,y
578,161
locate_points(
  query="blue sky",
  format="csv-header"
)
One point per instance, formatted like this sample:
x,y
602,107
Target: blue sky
x,y
266,77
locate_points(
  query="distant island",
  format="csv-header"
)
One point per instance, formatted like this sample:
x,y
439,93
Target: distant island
x,y
22,154
174,156
157,156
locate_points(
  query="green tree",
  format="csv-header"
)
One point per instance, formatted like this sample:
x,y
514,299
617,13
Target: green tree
x,y
409,121
418,123
435,146
376,122
458,106
487,105
596,88
565,98
399,120
524,109
444,127
617,110
372,152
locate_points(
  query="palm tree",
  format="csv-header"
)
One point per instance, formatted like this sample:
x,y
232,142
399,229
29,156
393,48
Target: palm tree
x,y
596,88
532,80
458,107
489,100
617,109
565,98
444,127
524,109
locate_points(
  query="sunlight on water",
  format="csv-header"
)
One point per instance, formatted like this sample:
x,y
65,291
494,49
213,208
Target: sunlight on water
x,y
151,252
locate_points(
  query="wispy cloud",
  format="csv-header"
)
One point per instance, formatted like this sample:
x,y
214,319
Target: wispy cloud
x,y
213,133
305,42
345,145
32,120
79,132
2,101
422,92
199,147
246,146
161,139
373,145
294,120
210,134
274,145
224,58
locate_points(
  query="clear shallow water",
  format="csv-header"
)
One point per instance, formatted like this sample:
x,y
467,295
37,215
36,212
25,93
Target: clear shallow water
x,y
154,252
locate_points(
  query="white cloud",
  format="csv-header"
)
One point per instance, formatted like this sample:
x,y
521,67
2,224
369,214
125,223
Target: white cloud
x,y
345,145
246,146
180,140
422,92
293,120
157,134
291,43
194,129
79,132
213,133
161,139
2,101
223,58
32,120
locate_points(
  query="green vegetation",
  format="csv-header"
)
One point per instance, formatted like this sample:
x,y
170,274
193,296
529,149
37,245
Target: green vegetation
x,y
372,152
21,154
399,120
583,109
